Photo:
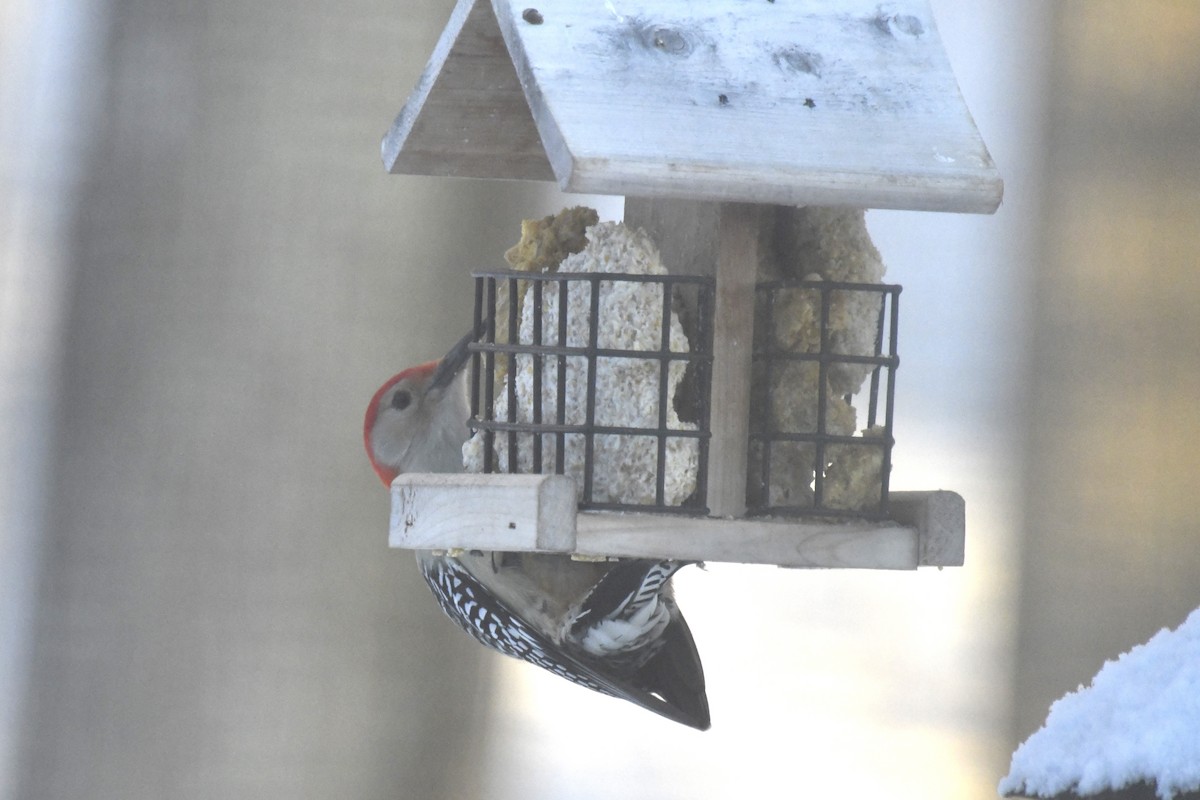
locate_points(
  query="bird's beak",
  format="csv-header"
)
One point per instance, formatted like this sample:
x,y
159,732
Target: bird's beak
x,y
453,362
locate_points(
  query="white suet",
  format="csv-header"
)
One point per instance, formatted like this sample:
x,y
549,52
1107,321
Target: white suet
x,y
627,389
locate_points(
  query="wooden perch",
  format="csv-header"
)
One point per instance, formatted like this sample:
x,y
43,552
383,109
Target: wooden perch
x,y
537,512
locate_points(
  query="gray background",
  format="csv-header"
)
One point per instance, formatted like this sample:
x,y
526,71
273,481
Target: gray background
x,y
205,274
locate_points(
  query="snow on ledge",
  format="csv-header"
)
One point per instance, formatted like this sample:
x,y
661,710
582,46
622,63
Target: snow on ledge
x,y
1139,720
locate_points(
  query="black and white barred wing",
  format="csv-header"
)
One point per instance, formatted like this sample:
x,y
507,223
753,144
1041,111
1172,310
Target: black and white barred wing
x,y
669,683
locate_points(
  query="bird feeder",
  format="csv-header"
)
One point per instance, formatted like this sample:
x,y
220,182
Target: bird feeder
x,y
715,121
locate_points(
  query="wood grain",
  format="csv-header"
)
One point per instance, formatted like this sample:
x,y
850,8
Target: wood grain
x,y
467,116
941,517
793,103
736,247
485,512
538,513
785,543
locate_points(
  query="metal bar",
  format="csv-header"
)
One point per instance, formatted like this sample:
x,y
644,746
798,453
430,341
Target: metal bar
x,y
664,363
538,365
830,438
704,332
768,410
489,385
822,403
873,397
628,277
890,441
664,278
831,358
560,453
884,358
615,430
475,357
604,352
513,337
789,283
589,444
649,507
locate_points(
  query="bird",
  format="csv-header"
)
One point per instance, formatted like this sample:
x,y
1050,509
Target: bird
x,y
612,626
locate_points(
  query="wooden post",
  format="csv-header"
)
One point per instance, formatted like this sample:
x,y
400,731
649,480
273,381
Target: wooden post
x,y
719,239
733,338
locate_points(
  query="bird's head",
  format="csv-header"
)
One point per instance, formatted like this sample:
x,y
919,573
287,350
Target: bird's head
x,y
417,421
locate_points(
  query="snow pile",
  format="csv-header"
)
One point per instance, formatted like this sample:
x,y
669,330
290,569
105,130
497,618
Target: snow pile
x,y
1139,721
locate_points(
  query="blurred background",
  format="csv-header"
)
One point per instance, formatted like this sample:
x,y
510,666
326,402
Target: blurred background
x,y
205,273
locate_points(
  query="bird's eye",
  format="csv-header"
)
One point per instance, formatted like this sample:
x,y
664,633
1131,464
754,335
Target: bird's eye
x,y
401,399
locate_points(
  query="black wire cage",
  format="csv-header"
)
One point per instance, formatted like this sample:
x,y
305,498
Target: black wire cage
x,y
821,348
605,376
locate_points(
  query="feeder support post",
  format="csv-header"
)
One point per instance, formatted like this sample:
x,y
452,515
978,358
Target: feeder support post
x,y
722,240
733,338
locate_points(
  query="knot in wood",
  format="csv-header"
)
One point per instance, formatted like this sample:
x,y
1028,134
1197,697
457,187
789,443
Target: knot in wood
x,y
796,59
664,39
902,24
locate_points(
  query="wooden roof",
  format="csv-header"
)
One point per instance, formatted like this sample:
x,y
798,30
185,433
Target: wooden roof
x,y
787,101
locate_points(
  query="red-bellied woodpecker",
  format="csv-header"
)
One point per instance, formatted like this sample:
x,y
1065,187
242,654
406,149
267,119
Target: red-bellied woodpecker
x,y
610,626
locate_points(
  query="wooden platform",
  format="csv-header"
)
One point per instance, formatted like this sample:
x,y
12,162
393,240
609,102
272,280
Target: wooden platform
x,y
538,513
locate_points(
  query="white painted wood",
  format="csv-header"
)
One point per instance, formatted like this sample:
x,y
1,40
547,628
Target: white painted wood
x,y
941,517
467,116
537,512
800,102
486,512
787,543
736,248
